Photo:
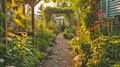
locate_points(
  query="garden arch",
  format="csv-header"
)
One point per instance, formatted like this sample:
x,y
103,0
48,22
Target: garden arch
x,y
49,11
61,22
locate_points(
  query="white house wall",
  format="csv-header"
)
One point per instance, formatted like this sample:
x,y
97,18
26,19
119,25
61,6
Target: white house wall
x,y
113,8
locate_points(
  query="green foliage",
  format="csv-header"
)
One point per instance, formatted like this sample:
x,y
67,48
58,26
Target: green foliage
x,y
81,46
116,65
69,33
16,12
105,51
20,52
54,27
94,50
45,36
116,25
87,10
48,11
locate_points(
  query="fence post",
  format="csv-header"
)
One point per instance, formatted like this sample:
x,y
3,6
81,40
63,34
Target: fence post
x,y
4,24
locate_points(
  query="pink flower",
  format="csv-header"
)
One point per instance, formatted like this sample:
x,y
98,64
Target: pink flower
x,y
78,32
97,22
100,12
92,28
97,13
76,38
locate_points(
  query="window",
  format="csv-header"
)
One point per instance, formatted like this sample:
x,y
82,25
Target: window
x,y
103,5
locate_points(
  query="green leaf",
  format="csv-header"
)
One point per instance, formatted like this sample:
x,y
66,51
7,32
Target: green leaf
x,y
2,29
4,15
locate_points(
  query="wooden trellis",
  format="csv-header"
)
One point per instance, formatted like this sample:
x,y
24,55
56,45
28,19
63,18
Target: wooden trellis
x,y
49,11
32,3
4,23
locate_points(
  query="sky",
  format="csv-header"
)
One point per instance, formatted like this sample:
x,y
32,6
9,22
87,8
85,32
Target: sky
x,y
44,5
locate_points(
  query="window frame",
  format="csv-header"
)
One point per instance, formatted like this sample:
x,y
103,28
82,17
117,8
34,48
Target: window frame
x,y
106,8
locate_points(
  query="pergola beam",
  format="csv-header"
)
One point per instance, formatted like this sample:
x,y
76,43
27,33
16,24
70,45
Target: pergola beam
x,y
32,3
4,23
4,26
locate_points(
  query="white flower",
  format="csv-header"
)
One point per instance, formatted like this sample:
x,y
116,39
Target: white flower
x,y
2,60
9,39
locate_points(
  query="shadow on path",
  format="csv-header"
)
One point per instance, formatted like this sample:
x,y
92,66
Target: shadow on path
x,y
61,56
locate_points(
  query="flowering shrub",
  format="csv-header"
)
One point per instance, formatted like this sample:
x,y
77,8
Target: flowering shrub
x,y
45,36
98,52
19,53
100,12
105,51
92,28
116,65
96,46
97,22
69,33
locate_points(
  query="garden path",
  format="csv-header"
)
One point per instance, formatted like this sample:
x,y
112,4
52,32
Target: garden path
x,y
62,54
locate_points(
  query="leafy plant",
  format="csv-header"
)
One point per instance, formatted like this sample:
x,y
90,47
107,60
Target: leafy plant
x,y
105,51
20,52
116,65
45,36
48,11
69,33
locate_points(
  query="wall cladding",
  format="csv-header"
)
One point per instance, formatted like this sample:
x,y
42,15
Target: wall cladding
x,y
113,8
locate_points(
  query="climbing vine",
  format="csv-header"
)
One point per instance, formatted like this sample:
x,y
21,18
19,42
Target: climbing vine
x,y
87,10
48,11
93,52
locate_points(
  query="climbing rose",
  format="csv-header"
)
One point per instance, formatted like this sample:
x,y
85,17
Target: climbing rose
x,y
92,28
78,32
100,12
97,22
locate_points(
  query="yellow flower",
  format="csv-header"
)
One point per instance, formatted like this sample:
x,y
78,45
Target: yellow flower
x,y
11,34
24,34
18,45
10,28
4,38
23,41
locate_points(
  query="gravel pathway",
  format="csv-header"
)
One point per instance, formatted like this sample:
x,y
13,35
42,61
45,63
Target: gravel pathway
x,y
62,55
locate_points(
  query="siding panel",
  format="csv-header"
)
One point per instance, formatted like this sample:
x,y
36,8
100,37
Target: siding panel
x,y
113,8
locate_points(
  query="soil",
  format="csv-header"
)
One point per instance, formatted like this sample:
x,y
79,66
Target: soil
x,y
61,56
